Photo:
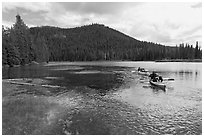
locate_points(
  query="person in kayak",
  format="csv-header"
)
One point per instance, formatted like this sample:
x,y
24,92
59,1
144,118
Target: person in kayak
x,y
160,79
141,69
155,77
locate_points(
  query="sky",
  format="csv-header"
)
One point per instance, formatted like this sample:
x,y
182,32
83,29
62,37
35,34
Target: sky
x,y
168,23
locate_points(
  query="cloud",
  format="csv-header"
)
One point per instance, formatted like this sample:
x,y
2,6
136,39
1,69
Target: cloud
x,y
82,13
198,5
165,23
98,8
32,6
172,25
191,31
152,33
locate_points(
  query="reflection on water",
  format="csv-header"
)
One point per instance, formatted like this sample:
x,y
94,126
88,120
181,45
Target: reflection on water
x,y
114,100
25,72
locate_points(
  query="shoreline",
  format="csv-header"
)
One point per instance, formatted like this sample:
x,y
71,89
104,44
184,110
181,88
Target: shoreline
x,y
179,60
51,62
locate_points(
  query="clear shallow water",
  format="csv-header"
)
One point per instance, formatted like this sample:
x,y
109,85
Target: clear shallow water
x,y
124,101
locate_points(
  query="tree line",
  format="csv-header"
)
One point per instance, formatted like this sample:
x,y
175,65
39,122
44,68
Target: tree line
x,y
21,45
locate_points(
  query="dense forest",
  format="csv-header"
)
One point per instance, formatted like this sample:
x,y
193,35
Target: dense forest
x,y
21,45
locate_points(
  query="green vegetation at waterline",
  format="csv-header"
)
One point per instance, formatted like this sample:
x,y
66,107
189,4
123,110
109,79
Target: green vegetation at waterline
x,y
21,45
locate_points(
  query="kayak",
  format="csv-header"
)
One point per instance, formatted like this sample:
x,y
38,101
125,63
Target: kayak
x,y
143,73
158,84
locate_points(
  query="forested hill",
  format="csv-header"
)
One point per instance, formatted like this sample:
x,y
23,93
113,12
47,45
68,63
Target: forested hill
x,y
86,43
21,45
99,42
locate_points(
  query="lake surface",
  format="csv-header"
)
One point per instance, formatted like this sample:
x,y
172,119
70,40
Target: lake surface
x,y
123,101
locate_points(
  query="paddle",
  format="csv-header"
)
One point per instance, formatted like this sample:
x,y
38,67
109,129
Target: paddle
x,y
168,79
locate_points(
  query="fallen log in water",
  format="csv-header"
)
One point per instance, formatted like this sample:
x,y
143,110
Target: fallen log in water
x,y
17,79
51,86
30,84
19,83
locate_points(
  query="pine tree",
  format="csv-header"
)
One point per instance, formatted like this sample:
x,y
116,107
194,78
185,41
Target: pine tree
x,y
13,56
20,38
196,51
10,53
4,46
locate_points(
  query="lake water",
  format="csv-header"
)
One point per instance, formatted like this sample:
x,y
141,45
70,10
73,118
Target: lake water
x,y
124,102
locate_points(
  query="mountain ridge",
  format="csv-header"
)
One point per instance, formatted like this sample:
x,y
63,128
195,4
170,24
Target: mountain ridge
x,y
108,43
89,26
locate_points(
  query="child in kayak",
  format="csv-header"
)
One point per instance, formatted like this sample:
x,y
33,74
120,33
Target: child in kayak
x,y
160,79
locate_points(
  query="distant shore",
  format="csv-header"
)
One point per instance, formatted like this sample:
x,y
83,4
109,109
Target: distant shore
x,y
50,63
179,60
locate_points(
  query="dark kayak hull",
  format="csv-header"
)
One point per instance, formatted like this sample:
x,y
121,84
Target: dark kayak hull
x,y
158,84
